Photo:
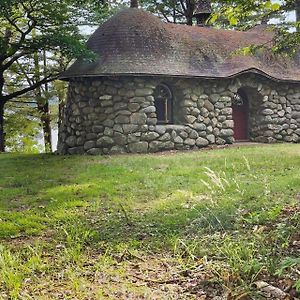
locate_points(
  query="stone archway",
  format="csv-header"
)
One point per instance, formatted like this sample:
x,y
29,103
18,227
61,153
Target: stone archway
x,y
240,115
247,106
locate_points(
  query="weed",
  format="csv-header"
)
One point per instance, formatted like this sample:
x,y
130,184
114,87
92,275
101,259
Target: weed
x,y
77,237
289,265
221,182
242,258
185,251
15,267
104,219
11,276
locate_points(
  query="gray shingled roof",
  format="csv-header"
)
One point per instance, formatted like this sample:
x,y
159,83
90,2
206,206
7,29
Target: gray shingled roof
x,y
135,42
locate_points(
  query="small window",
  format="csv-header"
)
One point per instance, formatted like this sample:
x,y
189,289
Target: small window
x,y
163,104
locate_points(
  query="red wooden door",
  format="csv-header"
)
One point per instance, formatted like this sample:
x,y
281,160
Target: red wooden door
x,y
240,115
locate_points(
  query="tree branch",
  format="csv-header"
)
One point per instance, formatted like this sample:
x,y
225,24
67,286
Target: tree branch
x,y
12,23
165,16
184,8
11,61
31,25
30,82
30,88
22,102
6,39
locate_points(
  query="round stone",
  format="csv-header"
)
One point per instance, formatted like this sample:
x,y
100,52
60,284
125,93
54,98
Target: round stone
x,y
89,144
105,141
208,105
138,118
94,151
190,142
201,142
150,136
71,141
139,147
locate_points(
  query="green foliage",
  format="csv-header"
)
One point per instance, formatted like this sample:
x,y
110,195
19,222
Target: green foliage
x,y
49,19
244,14
169,10
38,40
286,266
23,130
289,263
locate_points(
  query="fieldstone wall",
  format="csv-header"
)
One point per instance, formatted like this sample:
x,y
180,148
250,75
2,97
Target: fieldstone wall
x,y
274,114
117,115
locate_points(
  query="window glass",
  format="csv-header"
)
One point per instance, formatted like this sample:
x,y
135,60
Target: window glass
x,y
163,104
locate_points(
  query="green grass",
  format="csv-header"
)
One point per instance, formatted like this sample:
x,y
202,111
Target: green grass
x,y
122,227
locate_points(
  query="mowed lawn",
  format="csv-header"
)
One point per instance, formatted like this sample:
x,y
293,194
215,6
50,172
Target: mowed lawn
x,y
209,224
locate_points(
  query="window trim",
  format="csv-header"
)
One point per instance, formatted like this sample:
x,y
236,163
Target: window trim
x,y
168,104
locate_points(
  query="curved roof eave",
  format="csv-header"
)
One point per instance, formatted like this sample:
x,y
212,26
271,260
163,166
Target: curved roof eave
x,y
250,70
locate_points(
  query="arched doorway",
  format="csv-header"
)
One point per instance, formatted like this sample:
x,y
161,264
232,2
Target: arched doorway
x,y
240,115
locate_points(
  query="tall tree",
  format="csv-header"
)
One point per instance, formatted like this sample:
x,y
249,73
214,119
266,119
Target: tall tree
x,y
133,3
175,11
245,14
27,74
23,128
297,9
30,27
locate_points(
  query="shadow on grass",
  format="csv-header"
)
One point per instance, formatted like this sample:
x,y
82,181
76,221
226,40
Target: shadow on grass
x,y
147,201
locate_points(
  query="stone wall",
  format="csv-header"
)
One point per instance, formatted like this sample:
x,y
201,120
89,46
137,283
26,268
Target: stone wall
x,y
117,115
274,108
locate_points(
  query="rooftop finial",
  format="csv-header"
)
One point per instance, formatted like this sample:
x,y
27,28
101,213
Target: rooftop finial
x,y
202,11
134,3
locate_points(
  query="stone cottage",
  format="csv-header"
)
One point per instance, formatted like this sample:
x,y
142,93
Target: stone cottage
x,y
159,86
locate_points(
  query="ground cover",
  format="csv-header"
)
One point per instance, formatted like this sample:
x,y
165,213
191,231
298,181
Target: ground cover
x,y
218,224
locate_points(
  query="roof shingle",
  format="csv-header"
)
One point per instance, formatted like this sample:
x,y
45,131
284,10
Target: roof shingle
x,y
135,42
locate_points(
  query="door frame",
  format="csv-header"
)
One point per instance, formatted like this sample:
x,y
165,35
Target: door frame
x,y
243,95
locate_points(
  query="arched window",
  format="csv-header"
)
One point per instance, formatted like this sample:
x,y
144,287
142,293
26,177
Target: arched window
x,y
163,103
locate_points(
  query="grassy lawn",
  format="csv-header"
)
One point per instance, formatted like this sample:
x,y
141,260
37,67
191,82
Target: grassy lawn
x,y
185,225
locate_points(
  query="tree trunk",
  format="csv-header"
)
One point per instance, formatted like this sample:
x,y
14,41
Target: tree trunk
x,y
42,102
189,12
46,121
2,134
2,103
134,3
297,8
189,20
60,112
46,124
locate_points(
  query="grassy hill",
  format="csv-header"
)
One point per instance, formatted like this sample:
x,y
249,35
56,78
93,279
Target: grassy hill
x,y
186,225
